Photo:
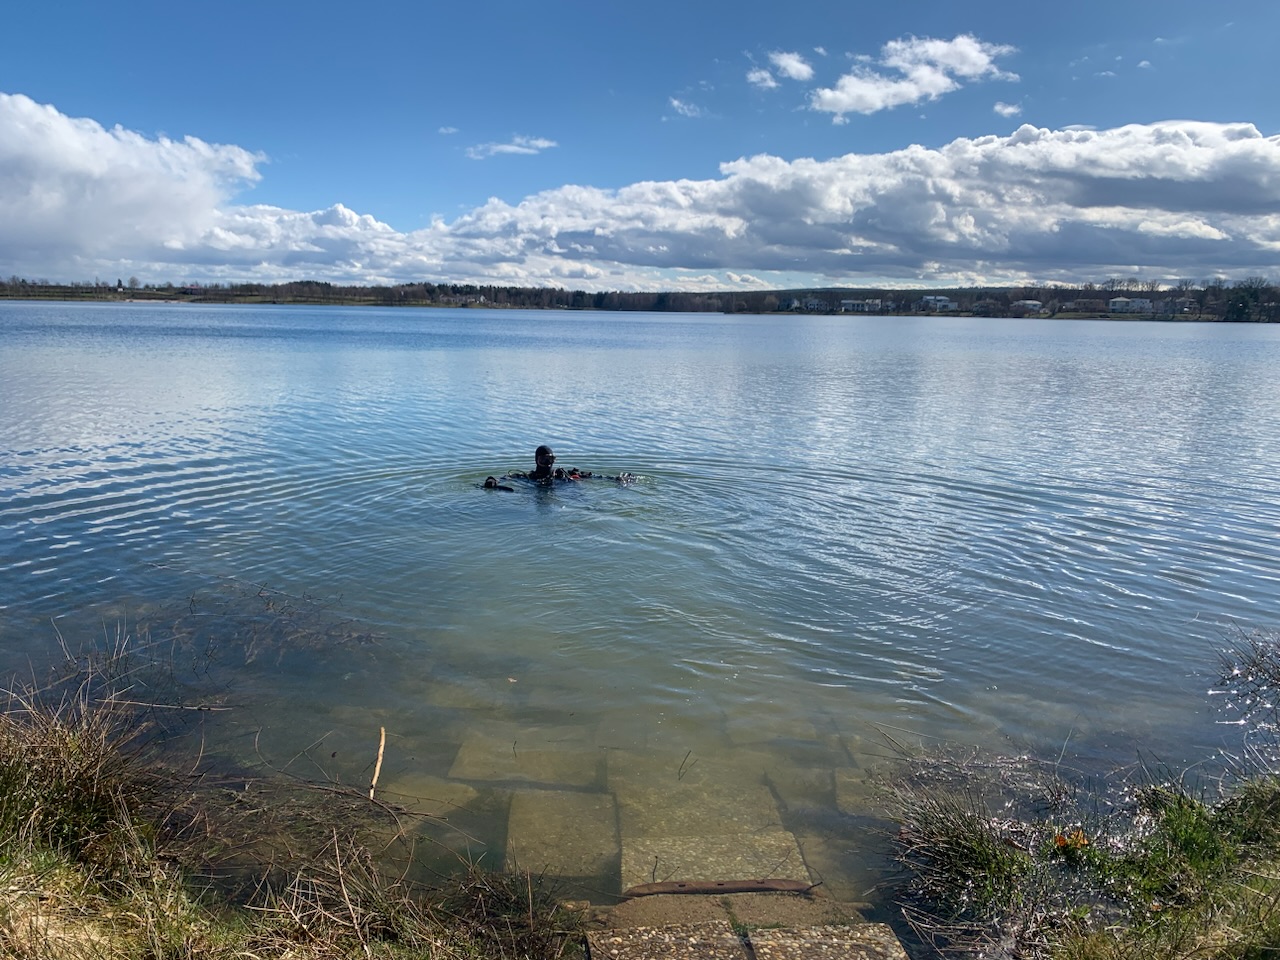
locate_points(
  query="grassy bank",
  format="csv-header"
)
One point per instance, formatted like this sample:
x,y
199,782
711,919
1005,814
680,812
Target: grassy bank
x,y
1015,857
108,851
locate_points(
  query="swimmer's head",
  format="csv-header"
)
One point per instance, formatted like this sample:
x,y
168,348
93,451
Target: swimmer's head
x,y
544,455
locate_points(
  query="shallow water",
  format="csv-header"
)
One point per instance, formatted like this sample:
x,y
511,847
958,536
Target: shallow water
x,y
845,534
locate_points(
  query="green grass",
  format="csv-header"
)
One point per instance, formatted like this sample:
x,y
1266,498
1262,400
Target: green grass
x,y
1102,873
1015,857
106,854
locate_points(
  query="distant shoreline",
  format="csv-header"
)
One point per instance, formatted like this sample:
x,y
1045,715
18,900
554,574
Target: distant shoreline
x,y
1255,299
368,302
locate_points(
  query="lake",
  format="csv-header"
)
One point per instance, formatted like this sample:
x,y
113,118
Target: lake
x,y
846,536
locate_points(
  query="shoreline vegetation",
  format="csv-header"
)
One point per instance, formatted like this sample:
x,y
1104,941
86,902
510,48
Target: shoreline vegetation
x,y
120,839
1020,857
1251,300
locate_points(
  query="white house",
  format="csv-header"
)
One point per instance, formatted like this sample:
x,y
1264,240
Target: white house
x,y
860,306
1129,305
936,304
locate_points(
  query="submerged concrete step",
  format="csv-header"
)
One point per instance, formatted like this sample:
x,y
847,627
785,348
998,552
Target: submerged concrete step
x,y
778,926
562,832
770,853
706,940
868,941
717,940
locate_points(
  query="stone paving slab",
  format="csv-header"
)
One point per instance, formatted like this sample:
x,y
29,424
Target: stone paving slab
x,y
426,794
801,790
708,940
749,909
661,795
857,795
767,726
835,864
867,941
544,736
772,854
562,832
479,693
552,755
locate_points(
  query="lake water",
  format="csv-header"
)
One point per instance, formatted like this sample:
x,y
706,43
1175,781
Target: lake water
x,y
844,534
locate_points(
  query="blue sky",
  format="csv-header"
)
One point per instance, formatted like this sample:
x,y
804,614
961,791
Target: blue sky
x,y
693,145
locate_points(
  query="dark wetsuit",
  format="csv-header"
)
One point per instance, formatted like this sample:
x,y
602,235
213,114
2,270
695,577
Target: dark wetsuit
x,y
545,471
546,476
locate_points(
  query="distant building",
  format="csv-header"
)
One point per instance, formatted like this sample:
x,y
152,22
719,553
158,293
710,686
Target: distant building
x,y
814,305
861,306
935,304
1027,306
1129,305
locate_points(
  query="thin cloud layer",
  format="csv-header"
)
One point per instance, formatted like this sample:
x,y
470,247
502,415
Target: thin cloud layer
x,y
684,108
523,146
911,71
1170,199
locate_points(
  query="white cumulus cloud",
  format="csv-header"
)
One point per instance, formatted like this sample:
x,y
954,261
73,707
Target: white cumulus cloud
x,y
910,71
791,65
70,187
1179,198
1007,109
762,78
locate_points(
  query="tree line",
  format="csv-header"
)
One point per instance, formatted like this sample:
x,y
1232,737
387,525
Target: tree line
x,y
1254,299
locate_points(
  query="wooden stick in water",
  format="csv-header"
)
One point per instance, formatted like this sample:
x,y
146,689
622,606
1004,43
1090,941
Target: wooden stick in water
x,y
377,767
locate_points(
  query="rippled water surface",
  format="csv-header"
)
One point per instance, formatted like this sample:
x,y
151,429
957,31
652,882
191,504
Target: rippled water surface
x,y
1012,534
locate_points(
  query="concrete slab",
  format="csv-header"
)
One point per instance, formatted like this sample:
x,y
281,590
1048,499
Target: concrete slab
x,y
857,795
564,833
479,693
801,791
628,730
551,755
868,941
744,909
708,940
661,795
772,854
646,731
754,910
837,866
425,794
766,726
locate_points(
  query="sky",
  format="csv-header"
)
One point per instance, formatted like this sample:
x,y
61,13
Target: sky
x,y
693,145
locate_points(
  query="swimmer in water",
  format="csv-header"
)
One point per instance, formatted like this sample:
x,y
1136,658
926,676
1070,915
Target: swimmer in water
x,y
491,483
545,471
543,460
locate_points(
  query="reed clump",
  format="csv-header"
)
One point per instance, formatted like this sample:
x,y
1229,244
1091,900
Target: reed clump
x,y
1018,858
108,852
